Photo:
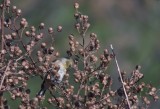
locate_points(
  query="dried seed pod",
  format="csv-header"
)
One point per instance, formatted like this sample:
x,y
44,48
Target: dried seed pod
x,y
146,101
57,54
93,58
33,34
27,33
40,59
81,52
71,37
3,51
8,3
50,30
86,25
50,100
138,67
93,36
18,12
51,50
59,28
41,26
43,45
14,9
14,35
153,89
76,5
71,43
77,26
106,52
155,97
33,29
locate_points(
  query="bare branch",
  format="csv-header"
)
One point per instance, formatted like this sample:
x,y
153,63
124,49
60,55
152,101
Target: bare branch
x,y
119,71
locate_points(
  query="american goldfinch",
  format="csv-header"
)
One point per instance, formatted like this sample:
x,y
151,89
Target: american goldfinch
x,y
55,78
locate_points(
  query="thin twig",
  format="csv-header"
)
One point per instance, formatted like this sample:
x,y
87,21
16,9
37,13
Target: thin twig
x,y
54,98
65,95
2,43
119,71
4,75
2,28
101,95
86,77
20,36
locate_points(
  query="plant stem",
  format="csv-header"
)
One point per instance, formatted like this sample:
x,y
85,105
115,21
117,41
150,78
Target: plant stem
x,y
2,28
4,75
119,71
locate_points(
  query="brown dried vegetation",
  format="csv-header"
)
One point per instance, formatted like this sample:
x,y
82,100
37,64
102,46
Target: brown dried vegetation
x,y
92,86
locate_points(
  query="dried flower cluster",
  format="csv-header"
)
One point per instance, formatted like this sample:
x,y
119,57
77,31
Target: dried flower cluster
x,y
91,88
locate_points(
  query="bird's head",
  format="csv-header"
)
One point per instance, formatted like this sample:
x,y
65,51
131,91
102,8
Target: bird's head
x,y
67,62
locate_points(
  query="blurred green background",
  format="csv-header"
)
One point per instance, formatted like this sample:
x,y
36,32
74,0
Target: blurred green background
x,y
132,26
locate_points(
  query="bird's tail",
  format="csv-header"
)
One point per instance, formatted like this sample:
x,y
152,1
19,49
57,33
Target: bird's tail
x,y
41,92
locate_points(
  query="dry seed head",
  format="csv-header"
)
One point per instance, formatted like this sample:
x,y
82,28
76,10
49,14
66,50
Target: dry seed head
x,y
18,12
76,5
112,93
33,29
59,28
151,93
85,17
87,25
14,35
27,33
93,58
102,57
38,37
32,43
66,75
14,9
153,89
156,97
50,30
28,47
3,51
8,37
50,100
71,37
40,59
77,26
24,84
8,3
1,6
6,24
33,34
23,23
41,26
47,58
13,97
93,36
68,106
138,67
81,51
76,43
51,50
106,52
43,45
71,43
56,54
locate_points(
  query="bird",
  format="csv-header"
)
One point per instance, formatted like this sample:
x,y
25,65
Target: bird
x,y
51,78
